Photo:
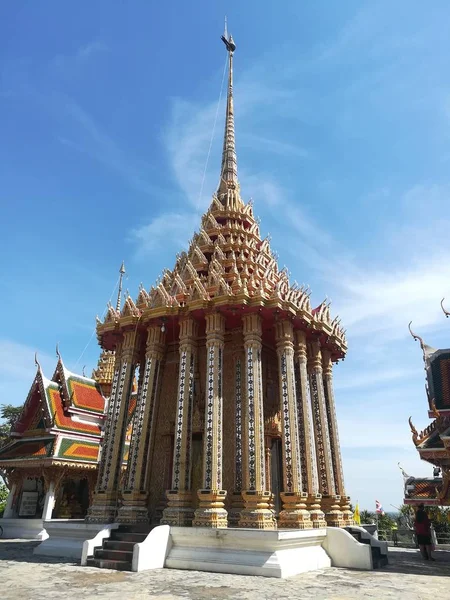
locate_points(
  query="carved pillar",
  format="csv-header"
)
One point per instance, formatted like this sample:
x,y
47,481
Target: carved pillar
x,y
294,513
336,457
135,493
330,501
307,445
49,503
104,506
9,508
256,513
179,510
211,511
237,503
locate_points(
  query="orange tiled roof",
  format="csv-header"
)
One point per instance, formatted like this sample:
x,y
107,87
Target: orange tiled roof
x,y
78,450
60,419
27,449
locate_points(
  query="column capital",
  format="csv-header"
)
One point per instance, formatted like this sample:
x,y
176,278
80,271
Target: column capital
x,y
252,327
284,334
327,363
155,341
215,326
188,330
300,345
130,346
314,355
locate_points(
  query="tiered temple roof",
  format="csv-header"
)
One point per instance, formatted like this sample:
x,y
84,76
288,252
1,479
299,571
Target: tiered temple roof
x,y
60,421
433,442
228,266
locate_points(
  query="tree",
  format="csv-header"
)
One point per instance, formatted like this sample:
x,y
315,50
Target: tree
x,y
367,517
10,415
3,497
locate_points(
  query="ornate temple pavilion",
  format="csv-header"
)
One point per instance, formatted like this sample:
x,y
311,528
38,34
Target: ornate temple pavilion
x,y
50,460
433,443
235,421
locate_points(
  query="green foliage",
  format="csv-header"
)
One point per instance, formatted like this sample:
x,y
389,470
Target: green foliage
x,y
3,496
367,517
10,415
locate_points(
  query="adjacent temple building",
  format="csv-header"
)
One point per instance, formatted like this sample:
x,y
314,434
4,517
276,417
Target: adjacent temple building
x,y
234,421
433,443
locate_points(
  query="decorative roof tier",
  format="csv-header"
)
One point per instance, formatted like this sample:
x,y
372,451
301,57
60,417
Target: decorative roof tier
x,y
433,443
228,266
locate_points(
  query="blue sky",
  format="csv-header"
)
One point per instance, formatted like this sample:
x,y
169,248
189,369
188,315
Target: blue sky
x,y
343,122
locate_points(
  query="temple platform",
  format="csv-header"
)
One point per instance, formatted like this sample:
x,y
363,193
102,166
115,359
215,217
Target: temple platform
x,y
278,553
274,553
25,529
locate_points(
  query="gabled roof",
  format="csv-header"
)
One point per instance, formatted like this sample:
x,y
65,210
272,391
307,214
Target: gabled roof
x,y
77,391
27,449
46,408
423,489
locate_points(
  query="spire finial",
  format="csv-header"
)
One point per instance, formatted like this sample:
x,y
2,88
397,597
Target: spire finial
x,y
228,171
119,293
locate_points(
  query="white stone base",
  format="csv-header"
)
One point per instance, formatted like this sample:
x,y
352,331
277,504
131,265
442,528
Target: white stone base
x,y
26,529
66,537
347,552
278,553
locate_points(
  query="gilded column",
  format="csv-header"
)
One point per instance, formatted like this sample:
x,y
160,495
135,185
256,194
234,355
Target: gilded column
x,y
104,505
256,513
306,432
334,438
134,507
179,510
294,513
330,501
237,503
211,511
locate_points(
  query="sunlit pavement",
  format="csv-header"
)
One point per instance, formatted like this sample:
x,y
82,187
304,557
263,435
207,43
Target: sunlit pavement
x,y
408,576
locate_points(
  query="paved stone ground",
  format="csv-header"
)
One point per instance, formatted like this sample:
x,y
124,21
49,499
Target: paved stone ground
x,y
26,577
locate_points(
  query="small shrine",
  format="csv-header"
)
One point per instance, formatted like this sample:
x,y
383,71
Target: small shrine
x,y
235,422
433,442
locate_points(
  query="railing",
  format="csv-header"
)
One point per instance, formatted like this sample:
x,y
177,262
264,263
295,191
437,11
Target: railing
x,y
407,538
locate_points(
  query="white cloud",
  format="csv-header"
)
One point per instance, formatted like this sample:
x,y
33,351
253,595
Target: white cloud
x,y
96,143
17,370
166,230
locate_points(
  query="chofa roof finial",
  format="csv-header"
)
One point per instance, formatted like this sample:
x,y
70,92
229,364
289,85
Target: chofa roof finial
x,y
415,435
416,337
446,312
58,354
36,362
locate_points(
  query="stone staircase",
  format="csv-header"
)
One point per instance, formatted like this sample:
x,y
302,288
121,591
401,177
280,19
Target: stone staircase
x,y
117,550
378,558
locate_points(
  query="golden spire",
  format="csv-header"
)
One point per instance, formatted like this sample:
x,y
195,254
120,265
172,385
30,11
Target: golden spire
x,y
228,171
119,293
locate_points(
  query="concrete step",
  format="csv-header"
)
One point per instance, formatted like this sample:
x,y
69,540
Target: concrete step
x,y
123,536
118,565
114,555
136,528
109,544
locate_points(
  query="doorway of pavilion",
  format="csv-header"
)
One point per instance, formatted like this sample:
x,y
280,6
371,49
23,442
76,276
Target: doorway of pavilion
x,y
196,467
276,473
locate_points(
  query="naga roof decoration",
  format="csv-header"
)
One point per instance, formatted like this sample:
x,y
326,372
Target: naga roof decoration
x,y
227,265
437,367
